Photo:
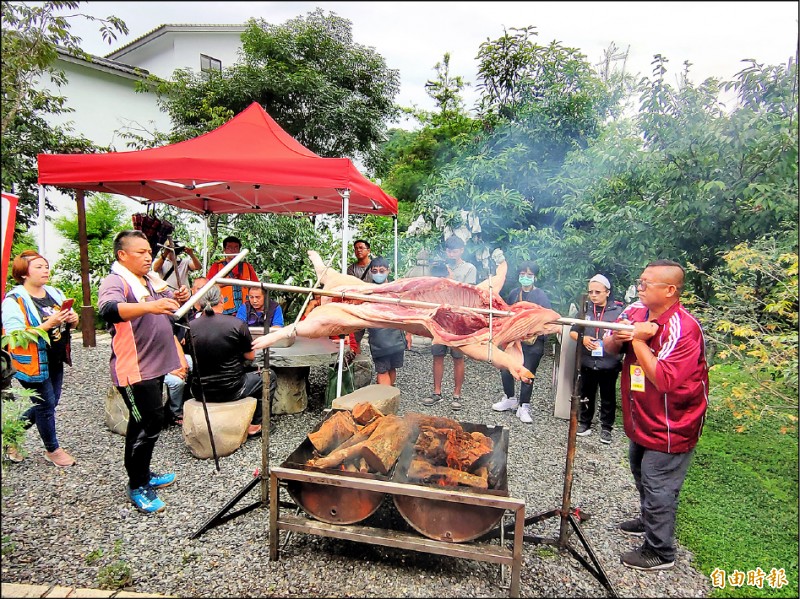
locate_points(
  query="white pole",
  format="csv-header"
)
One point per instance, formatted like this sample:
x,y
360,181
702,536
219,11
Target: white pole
x,y
345,221
396,266
205,243
42,218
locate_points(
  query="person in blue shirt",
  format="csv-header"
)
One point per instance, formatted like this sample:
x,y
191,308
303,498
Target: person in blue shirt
x,y
252,311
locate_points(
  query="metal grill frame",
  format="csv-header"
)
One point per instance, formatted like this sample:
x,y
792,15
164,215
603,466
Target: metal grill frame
x,y
392,538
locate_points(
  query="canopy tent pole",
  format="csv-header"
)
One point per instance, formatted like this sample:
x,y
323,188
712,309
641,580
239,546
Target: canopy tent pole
x,y
345,221
42,208
205,242
396,266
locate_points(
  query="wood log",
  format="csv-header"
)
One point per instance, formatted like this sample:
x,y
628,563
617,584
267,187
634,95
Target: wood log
x,y
333,432
339,455
418,420
421,470
386,443
361,435
365,412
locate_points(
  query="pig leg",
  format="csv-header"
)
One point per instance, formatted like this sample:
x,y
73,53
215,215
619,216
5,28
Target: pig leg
x,y
329,277
500,359
325,321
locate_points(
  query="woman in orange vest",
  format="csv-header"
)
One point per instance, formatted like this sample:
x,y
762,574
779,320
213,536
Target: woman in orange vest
x,y
39,365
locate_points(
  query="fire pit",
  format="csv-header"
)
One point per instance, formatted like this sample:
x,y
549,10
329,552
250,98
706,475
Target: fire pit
x,y
445,521
449,516
333,504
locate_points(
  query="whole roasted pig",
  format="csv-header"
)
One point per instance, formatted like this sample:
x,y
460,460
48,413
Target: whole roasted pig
x,y
449,323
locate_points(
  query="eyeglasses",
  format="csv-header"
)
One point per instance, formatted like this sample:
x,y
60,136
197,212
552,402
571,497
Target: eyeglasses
x,y
361,247
643,285
594,292
379,270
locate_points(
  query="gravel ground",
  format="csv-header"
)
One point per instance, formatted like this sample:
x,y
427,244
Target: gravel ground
x,y
54,518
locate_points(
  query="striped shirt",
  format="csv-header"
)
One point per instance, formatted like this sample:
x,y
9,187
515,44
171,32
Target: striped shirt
x,y
144,348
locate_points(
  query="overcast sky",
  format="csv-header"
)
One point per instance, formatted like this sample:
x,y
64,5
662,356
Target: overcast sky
x,y
413,36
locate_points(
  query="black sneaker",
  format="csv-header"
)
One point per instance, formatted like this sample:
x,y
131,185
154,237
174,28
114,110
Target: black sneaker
x,y
633,527
645,559
584,431
605,436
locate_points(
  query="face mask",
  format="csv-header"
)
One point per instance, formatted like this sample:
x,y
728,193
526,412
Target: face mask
x,y
379,277
525,280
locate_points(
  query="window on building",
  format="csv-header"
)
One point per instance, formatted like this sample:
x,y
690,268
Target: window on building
x,y
209,63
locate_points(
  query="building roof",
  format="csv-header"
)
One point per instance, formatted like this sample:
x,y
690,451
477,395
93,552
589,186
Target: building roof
x,y
102,64
170,28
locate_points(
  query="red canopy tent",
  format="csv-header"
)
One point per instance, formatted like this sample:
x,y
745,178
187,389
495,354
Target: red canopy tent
x,y
249,164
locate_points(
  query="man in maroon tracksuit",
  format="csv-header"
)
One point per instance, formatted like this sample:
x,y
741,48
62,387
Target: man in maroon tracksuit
x,y
664,398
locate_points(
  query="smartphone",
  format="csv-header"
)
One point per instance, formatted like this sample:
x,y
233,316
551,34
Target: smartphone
x,y
67,303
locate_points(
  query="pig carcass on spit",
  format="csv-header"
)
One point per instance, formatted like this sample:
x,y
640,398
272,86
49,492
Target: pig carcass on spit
x,y
448,323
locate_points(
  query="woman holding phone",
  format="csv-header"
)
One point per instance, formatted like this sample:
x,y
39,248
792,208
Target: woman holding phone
x,y
39,365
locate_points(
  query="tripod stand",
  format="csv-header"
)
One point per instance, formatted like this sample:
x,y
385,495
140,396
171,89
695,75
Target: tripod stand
x,y
569,518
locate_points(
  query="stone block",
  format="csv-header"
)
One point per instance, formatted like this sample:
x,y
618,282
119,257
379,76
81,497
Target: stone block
x,y
291,396
385,398
229,422
116,412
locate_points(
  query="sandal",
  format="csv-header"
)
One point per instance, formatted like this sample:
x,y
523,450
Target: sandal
x,y
456,404
433,399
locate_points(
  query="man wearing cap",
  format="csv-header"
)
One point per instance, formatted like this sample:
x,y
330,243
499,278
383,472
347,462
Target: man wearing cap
x,y
599,367
664,400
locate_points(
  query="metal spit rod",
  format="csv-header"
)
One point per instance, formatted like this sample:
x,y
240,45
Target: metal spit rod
x,y
403,302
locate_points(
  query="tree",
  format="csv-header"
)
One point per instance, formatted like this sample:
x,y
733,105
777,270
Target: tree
x,y
538,104
105,217
333,95
31,37
410,158
686,179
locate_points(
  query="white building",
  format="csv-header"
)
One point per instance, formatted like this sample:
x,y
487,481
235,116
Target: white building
x,y
102,93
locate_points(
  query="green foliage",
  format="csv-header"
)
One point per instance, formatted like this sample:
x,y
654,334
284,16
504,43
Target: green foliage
x,y
411,158
15,401
93,556
117,573
752,323
31,34
331,94
105,217
742,487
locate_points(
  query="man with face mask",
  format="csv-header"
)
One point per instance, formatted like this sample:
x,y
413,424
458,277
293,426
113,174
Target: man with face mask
x,y
532,350
387,346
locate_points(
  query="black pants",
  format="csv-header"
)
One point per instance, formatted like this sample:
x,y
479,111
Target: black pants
x,y
659,478
606,381
531,356
144,426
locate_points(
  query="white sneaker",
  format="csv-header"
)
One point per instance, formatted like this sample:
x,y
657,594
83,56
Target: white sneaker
x,y
505,404
524,413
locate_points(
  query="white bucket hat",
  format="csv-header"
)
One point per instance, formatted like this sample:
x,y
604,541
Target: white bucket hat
x,y
598,278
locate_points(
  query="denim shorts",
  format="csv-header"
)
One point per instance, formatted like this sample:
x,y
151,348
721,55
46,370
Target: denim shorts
x,y
438,349
390,362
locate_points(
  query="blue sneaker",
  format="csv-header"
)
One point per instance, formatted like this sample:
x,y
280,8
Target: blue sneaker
x,y
146,500
159,481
